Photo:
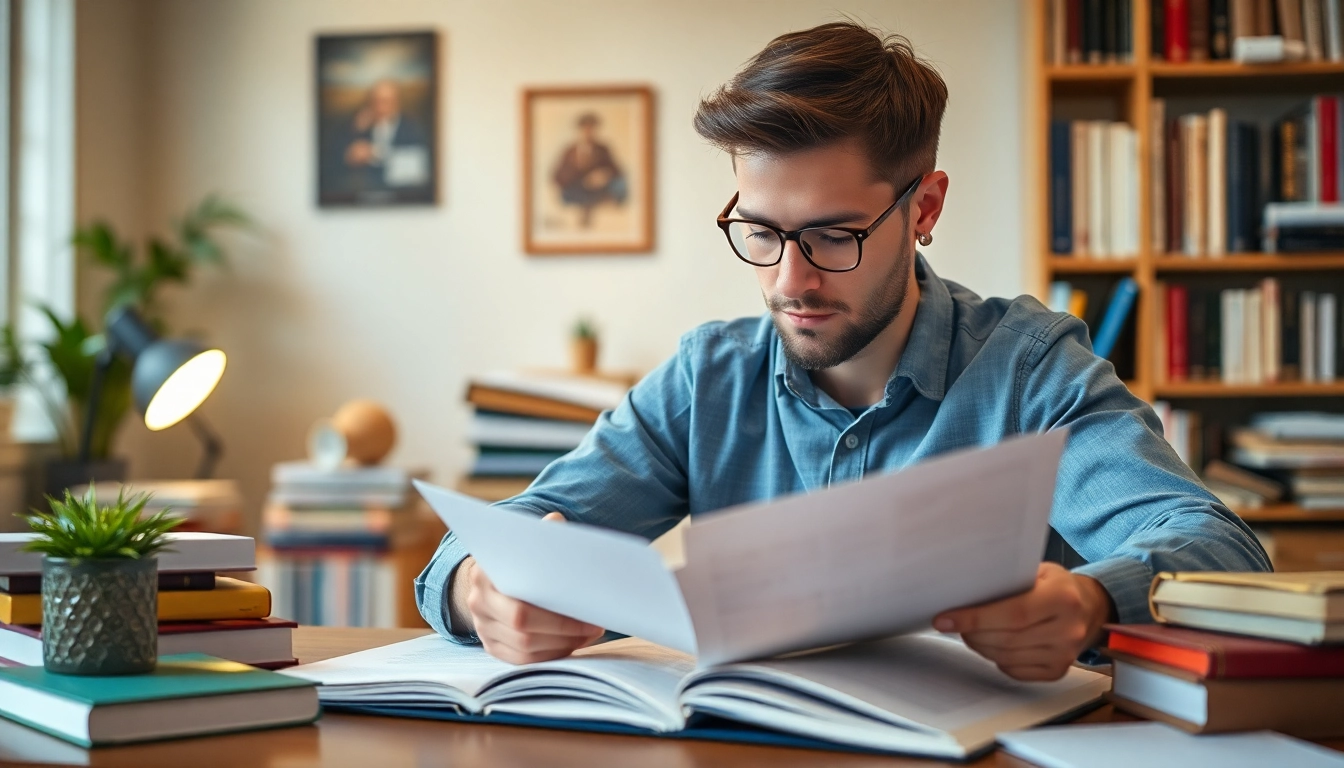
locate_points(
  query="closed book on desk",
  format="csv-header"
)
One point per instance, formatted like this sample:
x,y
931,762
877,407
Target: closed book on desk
x,y
1218,656
31,584
259,642
1305,707
917,694
1298,607
230,599
186,695
188,551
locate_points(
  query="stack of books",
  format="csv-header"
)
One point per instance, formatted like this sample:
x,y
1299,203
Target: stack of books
x,y
200,611
215,506
328,534
1305,449
524,421
1257,335
1237,651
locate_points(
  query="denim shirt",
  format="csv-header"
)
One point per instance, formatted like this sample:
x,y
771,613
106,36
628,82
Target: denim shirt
x,y
729,420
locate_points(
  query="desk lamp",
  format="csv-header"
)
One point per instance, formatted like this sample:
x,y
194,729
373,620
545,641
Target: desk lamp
x,y
169,380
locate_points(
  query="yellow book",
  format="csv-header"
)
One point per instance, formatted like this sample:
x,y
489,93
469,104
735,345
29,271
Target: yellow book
x,y
230,599
1078,303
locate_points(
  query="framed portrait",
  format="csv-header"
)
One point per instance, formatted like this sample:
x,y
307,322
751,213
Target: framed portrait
x,y
588,170
377,119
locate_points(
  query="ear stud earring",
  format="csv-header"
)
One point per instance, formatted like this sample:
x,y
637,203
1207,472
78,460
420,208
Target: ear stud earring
x,y
924,238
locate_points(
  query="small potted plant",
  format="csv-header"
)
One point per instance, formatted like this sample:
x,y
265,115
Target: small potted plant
x,y
100,585
584,346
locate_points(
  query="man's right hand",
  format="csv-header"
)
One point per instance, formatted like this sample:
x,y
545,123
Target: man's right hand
x,y
512,630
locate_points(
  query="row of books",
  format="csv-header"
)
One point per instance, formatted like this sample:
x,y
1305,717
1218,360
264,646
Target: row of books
x,y
1248,335
200,610
1107,314
1246,30
334,588
521,422
1091,31
1094,188
1236,651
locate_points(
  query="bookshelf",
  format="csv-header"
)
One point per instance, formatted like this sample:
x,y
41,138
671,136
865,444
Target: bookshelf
x,y
1124,92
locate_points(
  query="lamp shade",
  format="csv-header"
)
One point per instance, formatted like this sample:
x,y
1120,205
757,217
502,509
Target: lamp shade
x,y
171,377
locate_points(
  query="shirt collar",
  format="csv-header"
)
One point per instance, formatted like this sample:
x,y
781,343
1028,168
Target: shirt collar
x,y
924,360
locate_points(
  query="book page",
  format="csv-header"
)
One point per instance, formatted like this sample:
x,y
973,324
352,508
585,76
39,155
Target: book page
x,y
871,558
607,578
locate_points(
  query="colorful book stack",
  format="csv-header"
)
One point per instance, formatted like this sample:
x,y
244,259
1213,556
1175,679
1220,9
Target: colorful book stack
x,y
524,421
200,611
329,533
1237,651
1094,189
1245,30
1220,185
1258,335
1304,449
1091,31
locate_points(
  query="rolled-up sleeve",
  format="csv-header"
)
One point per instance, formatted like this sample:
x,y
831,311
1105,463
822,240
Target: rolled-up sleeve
x,y
1123,500
628,474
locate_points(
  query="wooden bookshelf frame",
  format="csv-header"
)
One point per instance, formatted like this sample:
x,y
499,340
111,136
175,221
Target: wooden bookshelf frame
x,y
1131,86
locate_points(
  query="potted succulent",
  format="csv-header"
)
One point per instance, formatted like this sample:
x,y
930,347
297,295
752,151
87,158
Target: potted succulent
x,y
100,585
584,346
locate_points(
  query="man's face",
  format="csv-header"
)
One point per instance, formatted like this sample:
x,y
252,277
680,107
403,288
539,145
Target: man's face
x,y
384,100
826,318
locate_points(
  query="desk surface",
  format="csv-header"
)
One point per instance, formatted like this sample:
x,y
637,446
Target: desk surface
x,y
384,742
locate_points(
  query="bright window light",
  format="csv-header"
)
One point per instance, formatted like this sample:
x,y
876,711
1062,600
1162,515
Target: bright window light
x,y
185,390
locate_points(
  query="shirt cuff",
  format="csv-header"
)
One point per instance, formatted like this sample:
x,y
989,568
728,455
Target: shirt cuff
x,y
1127,581
432,590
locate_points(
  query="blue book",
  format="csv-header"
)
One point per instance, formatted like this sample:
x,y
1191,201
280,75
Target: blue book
x,y
1117,312
1061,292
1061,187
186,695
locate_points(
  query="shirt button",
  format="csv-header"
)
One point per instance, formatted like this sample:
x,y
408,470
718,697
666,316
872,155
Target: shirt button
x,y
851,441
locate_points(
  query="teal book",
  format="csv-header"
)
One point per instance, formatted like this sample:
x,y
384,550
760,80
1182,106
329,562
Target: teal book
x,y
187,695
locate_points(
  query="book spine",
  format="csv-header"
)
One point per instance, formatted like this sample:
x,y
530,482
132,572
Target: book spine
x,y
1097,196
1110,31
1197,26
1220,30
1290,357
1079,165
1157,177
1061,203
1195,135
1092,23
1074,13
1178,338
1216,186
1264,17
1271,354
1243,19
1334,35
1312,30
1126,30
1161,358
1307,342
1252,353
1178,31
1288,180
1157,29
1213,365
1197,327
1326,337
1117,312
1238,178
1059,32
1231,344
1290,20
1327,134
1175,164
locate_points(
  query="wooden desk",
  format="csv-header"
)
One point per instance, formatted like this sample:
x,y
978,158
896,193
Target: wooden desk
x,y
384,742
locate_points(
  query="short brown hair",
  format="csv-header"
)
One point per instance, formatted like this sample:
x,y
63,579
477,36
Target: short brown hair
x,y
830,83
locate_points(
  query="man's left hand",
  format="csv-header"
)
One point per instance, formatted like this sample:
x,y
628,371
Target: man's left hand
x,y
1038,634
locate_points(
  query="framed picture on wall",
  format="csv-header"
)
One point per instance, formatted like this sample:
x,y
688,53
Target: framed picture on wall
x,y
588,170
377,119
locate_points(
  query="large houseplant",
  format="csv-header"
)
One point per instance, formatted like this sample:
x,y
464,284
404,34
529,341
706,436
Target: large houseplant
x,y
100,586
75,344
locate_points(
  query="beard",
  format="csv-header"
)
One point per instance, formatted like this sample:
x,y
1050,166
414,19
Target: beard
x,y
808,350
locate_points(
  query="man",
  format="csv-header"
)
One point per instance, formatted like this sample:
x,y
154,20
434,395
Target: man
x,y
587,173
387,148
866,363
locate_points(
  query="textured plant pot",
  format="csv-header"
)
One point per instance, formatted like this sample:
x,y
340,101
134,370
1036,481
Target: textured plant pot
x,y
584,353
100,617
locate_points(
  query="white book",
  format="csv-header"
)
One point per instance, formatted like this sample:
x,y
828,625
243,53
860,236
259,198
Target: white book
x,y
1267,49
1217,184
1313,122
1133,202
305,474
1157,174
1251,323
506,431
1271,335
1159,744
1098,199
919,694
1122,143
1194,138
1325,336
1080,167
262,643
187,552
1231,336
1307,328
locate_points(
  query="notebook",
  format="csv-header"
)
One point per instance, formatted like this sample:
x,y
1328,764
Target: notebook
x,y
925,694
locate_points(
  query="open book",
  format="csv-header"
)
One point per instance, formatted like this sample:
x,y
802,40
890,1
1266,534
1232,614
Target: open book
x,y
923,694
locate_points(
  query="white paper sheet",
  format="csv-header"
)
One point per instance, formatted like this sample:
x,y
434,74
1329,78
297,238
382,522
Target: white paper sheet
x,y
871,558
1156,745
607,578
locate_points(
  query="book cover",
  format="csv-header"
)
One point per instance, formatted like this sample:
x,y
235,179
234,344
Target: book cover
x,y
1178,31
188,551
1210,655
230,599
1326,337
1178,309
1061,183
1220,30
31,584
1117,312
1216,188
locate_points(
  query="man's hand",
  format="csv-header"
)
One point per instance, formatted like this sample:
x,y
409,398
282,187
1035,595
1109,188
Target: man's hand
x,y
1038,634
514,631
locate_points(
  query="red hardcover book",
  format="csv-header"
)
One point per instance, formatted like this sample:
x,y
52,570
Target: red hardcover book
x,y
1073,13
1178,31
1178,334
1327,135
1215,656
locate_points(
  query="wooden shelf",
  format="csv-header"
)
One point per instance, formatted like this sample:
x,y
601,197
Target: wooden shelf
x,y
1078,265
1289,513
1250,262
1201,389
1102,73
1161,70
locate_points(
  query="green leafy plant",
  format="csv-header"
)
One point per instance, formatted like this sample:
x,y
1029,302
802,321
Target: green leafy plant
x,y
584,329
81,528
74,346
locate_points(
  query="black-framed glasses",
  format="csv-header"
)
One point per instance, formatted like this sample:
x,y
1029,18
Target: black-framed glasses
x,y
830,249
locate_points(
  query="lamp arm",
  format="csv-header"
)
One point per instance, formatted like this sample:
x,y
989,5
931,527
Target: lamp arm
x,y
211,442
100,366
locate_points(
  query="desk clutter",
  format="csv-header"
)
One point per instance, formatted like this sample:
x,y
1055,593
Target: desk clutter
x,y
202,606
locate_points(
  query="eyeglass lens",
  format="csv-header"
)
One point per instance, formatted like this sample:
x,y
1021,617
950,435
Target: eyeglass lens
x,y
832,249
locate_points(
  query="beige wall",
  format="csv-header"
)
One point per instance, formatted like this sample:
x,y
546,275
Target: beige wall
x,y
179,98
